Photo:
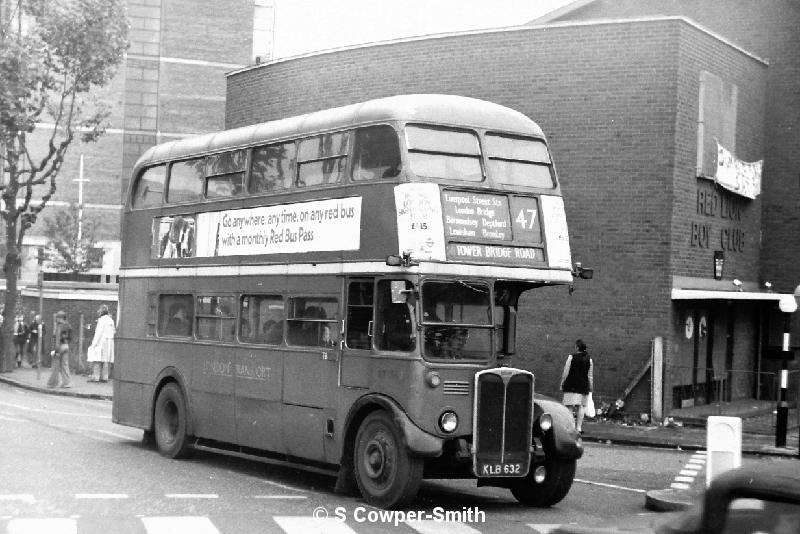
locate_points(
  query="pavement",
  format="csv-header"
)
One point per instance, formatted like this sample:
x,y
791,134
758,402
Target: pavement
x,y
672,436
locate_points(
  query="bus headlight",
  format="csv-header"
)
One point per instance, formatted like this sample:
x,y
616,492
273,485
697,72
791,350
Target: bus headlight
x,y
546,422
433,379
448,422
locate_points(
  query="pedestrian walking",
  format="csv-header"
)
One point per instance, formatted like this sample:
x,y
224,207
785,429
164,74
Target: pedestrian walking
x,y
101,351
577,381
62,335
20,338
33,340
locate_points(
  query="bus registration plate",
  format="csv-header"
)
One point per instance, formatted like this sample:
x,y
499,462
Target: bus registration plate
x,y
513,469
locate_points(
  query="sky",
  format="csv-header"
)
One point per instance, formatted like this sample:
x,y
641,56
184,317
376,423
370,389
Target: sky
x,y
303,26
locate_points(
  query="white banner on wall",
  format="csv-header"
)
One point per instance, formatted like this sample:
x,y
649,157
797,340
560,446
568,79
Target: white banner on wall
x,y
419,221
736,175
323,225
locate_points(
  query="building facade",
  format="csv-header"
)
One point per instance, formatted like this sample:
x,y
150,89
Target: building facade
x,y
170,85
633,106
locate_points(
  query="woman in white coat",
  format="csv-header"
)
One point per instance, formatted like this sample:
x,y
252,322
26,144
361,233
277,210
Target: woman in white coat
x,y
101,351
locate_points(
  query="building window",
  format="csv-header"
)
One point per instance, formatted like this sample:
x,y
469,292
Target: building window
x,y
716,121
263,30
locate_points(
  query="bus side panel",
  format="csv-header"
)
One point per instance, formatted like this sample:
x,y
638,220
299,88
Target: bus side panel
x,y
211,388
259,375
378,234
133,359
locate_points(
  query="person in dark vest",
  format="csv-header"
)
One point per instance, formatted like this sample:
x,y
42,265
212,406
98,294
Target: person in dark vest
x,y
577,382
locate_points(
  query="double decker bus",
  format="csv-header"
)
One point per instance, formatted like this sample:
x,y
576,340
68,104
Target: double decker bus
x,y
339,291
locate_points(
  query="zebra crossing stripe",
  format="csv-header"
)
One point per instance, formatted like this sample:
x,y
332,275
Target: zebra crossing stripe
x,y
441,527
51,525
171,525
312,525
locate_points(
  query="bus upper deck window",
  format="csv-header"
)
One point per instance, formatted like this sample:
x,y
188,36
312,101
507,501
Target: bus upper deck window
x,y
376,154
225,174
519,161
444,153
321,159
271,168
149,190
186,180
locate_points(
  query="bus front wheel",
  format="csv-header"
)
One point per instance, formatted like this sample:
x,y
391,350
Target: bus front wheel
x,y
170,423
388,475
558,476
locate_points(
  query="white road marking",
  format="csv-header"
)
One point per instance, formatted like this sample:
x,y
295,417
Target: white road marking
x,y
42,526
4,418
312,525
282,486
280,497
171,525
52,412
544,528
613,486
443,527
684,479
27,498
191,496
101,495
680,485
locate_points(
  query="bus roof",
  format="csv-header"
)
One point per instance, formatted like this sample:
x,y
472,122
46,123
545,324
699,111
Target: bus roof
x,y
440,109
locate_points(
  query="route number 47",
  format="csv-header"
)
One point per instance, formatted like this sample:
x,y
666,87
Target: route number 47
x,y
523,218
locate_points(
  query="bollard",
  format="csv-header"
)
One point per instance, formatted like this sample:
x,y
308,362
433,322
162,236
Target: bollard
x,y
723,445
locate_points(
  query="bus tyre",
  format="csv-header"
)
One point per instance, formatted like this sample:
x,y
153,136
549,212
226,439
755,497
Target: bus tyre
x,y
170,423
554,487
387,474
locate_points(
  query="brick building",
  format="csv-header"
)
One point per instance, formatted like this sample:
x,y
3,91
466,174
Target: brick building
x,y
171,85
633,99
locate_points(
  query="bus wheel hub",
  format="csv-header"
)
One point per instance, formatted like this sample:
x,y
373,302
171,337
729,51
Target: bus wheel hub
x,y
375,459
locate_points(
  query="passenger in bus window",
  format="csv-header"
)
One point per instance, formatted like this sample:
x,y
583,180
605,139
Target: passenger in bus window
x,y
272,332
178,324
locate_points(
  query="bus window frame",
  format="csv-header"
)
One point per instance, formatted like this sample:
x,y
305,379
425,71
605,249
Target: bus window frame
x,y
201,195
330,322
137,183
488,160
162,332
209,176
256,340
479,156
342,171
234,315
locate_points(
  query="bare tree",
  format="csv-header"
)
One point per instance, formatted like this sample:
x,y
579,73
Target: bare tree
x,y
53,55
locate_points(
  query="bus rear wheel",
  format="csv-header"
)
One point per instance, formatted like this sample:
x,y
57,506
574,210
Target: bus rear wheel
x,y
558,476
170,423
388,475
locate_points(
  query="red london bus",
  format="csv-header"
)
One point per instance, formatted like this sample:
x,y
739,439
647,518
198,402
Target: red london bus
x,y
339,291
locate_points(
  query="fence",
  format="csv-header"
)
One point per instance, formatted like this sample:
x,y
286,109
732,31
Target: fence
x,y
748,394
